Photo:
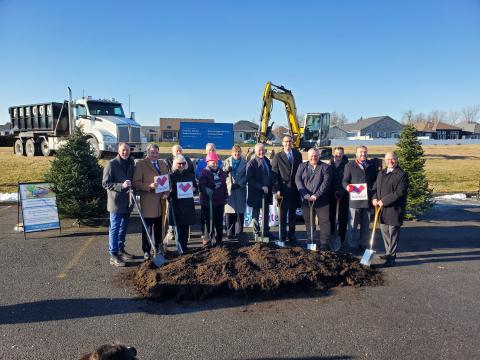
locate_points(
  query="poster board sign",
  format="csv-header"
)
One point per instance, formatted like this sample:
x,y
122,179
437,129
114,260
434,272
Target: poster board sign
x,y
39,207
162,183
359,192
184,190
273,215
194,135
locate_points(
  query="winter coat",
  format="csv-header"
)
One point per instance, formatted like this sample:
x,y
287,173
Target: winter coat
x,y
392,190
256,178
206,179
317,183
143,176
115,173
236,187
184,209
337,172
284,177
169,162
354,174
202,164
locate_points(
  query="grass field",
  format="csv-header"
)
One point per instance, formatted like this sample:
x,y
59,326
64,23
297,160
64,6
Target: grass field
x,y
450,168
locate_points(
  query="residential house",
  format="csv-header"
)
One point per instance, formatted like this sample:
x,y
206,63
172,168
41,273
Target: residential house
x,y
335,132
244,130
170,127
437,130
470,129
378,127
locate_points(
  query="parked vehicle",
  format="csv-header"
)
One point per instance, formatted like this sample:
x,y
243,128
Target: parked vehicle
x,y
40,129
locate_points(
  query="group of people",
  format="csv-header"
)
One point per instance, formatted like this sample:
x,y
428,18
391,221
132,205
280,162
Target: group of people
x,y
338,197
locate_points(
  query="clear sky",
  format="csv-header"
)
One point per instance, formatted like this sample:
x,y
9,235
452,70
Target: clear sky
x,y
211,59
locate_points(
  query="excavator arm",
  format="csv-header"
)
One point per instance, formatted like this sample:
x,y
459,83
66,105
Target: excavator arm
x,y
275,92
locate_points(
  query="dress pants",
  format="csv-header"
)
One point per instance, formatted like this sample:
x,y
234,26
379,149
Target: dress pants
x,y
154,227
390,235
217,230
320,215
285,212
234,224
342,216
256,221
358,218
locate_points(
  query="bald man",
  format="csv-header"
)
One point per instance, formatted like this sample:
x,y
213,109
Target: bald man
x,y
390,194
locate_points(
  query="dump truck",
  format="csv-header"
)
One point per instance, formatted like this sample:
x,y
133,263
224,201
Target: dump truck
x,y
40,129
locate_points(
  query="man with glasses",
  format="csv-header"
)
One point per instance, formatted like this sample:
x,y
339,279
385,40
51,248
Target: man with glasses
x,y
284,168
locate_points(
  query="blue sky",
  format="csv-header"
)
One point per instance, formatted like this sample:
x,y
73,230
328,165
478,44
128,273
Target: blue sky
x,y
211,59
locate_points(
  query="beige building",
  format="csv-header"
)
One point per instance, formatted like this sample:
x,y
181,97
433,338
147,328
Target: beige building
x,y
169,127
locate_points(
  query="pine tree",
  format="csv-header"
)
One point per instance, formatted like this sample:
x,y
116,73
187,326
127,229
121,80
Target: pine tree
x,y
76,176
411,159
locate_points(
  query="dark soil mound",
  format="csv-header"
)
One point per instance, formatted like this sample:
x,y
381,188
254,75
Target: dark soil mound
x,y
251,270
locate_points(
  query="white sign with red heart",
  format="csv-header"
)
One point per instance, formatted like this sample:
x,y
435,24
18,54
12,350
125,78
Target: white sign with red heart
x,y
359,192
162,183
185,190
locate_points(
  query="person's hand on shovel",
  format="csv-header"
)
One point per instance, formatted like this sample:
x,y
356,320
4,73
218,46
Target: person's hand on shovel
x,y
376,203
312,198
265,189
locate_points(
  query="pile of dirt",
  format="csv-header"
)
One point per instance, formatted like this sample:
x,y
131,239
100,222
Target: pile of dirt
x,y
248,271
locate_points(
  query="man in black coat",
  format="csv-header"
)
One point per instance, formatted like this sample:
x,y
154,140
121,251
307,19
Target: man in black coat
x,y
284,167
391,195
260,182
338,193
358,174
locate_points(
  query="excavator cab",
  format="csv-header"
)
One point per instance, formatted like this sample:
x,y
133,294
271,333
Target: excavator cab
x,y
315,132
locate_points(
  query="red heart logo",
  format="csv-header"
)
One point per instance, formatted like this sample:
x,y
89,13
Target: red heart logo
x,y
162,180
184,187
360,189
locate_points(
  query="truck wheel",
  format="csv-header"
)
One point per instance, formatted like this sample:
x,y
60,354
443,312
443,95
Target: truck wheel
x,y
30,147
94,145
19,149
45,148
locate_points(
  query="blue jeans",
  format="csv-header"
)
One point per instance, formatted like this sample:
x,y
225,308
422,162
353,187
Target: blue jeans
x,y
117,232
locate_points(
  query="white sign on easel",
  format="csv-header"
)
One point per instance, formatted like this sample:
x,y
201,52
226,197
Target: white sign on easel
x,y
273,215
162,183
185,190
359,192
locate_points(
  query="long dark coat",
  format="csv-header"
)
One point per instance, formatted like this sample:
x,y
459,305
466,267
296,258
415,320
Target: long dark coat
x,y
354,174
256,178
184,208
284,177
392,190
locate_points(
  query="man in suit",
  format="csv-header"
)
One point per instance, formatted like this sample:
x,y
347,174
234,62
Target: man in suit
x,y
357,173
117,180
338,193
151,202
260,181
284,167
178,150
391,196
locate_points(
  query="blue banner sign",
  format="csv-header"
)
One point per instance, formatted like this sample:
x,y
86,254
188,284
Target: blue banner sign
x,y
194,135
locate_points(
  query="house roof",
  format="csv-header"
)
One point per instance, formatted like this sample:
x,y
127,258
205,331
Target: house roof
x,y
245,125
472,127
364,123
431,126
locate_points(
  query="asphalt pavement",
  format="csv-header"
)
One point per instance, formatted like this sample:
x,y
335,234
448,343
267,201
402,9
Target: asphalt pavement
x,y
60,298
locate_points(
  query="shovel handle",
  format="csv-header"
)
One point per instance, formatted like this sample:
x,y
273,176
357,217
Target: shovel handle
x,y
377,213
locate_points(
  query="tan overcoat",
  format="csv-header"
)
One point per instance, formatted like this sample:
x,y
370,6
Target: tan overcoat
x,y
143,175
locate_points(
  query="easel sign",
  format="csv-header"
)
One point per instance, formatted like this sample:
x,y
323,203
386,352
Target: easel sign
x,y
39,207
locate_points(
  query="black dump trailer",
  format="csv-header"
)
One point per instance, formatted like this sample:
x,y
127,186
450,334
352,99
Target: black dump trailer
x,y
33,124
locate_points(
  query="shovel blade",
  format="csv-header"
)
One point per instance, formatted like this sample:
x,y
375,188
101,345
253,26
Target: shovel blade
x,y
367,257
335,243
158,260
312,247
280,243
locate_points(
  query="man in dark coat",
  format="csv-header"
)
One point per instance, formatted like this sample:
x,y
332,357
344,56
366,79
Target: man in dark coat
x,y
338,193
117,180
391,195
284,167
358,174
260,182
178,150
313,181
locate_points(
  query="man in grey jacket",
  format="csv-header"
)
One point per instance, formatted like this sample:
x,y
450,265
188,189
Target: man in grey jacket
x,y
117,180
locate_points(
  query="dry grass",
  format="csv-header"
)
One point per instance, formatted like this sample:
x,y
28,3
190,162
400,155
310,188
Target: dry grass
x,y
450,168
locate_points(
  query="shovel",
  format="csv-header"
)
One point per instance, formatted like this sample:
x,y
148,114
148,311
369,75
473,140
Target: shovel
x,y
369,253
279,242
311,246
177,242
158,258
166,209
335,241
263,238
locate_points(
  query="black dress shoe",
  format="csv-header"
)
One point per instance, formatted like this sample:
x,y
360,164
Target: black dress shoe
x,y
292,238
390,262
384,257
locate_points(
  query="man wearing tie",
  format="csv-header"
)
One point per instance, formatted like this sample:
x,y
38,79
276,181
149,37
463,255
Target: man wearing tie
x,y
284,168
260,181
143,181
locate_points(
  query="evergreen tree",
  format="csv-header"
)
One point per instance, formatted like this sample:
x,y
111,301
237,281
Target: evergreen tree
x,y
411,159
76,176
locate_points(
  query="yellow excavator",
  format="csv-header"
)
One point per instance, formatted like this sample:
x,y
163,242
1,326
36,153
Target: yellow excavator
x,y
315,127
